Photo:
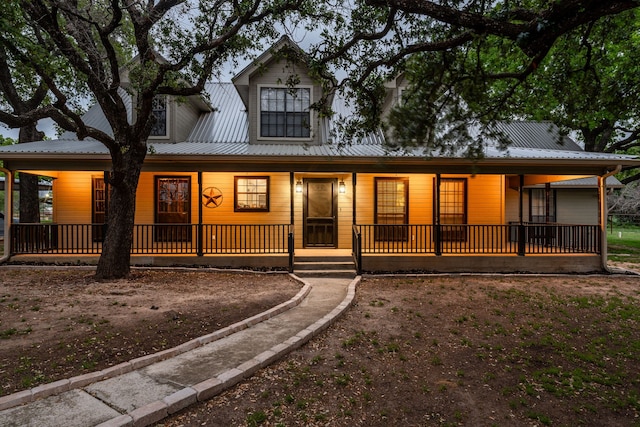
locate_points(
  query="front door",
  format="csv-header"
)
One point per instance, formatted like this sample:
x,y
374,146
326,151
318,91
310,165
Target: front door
x,y
173,209
320,212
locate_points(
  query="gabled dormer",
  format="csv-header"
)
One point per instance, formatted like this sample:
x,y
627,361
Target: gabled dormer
x,y
175,116
278,93
393,96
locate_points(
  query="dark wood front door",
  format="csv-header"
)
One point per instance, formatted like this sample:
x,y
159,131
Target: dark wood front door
x,y
320,212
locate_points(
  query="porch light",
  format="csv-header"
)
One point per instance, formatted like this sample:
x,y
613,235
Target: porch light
x,y
299,186
341,187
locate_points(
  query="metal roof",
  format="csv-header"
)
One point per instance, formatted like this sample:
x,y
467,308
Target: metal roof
x,y
543,135
225,132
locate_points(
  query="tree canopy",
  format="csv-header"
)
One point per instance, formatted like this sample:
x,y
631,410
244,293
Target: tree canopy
x,y
469,63
128,53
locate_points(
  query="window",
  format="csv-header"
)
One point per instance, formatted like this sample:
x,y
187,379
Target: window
x,y
99,202
542,208
173,208
453,208
392,208
251,193
159,113
284,112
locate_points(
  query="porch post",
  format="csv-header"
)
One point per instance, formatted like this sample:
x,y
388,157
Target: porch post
x,y
290,236
199,249
8,212
602,218
353,200
521,228
437,232
603,210
292,193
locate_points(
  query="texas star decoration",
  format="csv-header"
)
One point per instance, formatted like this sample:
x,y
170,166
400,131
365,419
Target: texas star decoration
x,y
211,197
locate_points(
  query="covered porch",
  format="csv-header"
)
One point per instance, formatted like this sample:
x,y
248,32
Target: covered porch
x,y
415,248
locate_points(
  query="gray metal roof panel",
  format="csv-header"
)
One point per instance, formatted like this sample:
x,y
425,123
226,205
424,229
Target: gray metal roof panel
x,y
189,148
543,135
224,132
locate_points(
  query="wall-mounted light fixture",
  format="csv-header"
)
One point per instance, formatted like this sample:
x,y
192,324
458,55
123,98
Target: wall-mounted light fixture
x,y
342,188
299,186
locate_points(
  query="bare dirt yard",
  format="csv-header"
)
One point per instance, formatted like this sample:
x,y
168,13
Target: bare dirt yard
x,y
412,351
55,324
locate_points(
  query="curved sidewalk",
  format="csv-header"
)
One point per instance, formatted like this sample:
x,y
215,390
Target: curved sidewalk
x,y
146,390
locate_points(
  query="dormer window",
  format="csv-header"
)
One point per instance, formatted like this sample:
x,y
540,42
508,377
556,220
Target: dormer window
x,y
285,112
159,112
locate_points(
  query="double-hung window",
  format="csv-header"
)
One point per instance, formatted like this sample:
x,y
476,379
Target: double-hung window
x,y
159,113
453,208
391,208
542,205
285,112
252,193
99,205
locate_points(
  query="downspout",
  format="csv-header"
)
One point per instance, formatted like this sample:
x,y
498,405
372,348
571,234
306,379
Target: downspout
x,y
603,211
8,209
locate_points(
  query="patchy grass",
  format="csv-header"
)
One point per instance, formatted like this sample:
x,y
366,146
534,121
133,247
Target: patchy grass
x,y
472,351
624,244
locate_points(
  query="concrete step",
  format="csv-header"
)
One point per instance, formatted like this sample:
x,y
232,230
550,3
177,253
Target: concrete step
x,y
318,265
336,274
331,266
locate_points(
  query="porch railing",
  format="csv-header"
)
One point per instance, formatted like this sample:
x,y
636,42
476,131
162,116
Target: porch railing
x,y
205,239
518,239
183,239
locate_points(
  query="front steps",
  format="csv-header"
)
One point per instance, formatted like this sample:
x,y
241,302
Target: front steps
x,y
324,266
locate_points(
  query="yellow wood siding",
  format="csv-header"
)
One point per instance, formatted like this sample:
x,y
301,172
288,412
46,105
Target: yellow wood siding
x,y
485,199
485,204
72,197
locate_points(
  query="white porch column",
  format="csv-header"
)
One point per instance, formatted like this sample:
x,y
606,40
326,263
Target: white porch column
x,y
8,212
603,211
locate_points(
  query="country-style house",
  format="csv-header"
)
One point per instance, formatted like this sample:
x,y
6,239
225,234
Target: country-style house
x,y
255,178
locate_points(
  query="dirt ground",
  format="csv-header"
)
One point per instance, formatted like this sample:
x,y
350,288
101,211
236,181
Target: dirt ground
x,y
55,324
412,351
456,350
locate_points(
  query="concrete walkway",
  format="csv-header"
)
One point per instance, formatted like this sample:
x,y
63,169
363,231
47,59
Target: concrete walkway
x,y
146,390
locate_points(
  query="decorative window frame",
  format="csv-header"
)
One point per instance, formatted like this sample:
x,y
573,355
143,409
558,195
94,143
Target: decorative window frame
x,y
259,113
157,196
247,207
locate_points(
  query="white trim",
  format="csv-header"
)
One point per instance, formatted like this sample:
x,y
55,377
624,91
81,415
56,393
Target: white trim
x,y
259,114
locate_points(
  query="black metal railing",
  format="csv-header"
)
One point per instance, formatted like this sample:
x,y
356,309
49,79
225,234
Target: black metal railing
x,y
204,239
518,239
166,239
356,245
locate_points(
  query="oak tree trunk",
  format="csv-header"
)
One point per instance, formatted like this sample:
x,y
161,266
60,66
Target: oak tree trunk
x,y
29,205
115,259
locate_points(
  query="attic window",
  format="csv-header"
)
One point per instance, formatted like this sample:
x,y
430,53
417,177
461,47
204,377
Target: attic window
x,y
159,113
284,112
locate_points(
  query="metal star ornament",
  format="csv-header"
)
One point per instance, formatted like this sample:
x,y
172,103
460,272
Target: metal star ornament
x,y
211,197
